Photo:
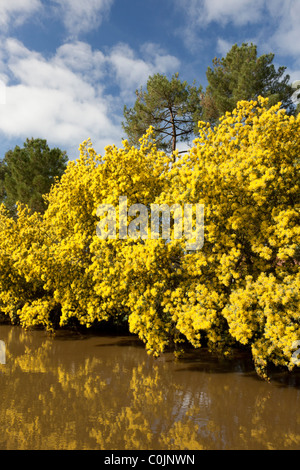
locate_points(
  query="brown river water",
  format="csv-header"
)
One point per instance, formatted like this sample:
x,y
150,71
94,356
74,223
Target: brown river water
x,y
104,392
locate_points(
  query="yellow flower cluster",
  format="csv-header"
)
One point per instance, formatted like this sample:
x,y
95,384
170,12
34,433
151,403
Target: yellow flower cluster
x,y
242,287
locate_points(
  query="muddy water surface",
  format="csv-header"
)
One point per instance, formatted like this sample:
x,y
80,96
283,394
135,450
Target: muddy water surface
x,y
105,392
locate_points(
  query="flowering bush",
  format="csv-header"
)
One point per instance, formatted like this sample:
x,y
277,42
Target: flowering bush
x,y
242,287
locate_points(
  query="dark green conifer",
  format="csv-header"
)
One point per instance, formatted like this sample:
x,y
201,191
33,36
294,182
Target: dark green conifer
x,y
26,174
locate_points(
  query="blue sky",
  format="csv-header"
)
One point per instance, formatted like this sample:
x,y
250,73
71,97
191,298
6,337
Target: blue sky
x,y
69,66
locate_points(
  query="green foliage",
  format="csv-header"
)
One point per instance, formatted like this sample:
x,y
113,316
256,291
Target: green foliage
x,y
242,75
171,107
27,174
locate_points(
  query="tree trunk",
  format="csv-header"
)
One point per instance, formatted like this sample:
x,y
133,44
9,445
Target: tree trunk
x,y
173,132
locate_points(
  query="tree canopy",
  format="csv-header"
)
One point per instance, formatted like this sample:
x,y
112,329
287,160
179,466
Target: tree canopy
x,y
171,107
242,75
27,174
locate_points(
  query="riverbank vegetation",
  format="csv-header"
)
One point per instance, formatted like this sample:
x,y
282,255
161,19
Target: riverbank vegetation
x,y
241,288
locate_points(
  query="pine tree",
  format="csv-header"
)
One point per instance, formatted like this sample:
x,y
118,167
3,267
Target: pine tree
x,y
171,107
242,75
27,173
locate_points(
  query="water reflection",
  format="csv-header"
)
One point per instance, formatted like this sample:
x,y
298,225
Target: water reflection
x,y
94,392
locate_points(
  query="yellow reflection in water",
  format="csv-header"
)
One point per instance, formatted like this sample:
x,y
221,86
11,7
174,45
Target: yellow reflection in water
x,y
76,395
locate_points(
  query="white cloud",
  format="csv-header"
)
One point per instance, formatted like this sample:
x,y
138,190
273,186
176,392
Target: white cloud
x,y
161,61
80,58
239,12
49,99
131,71
199,14
286,37
78,16
65,99
276,22
128,69
223,46
17,11
82,16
